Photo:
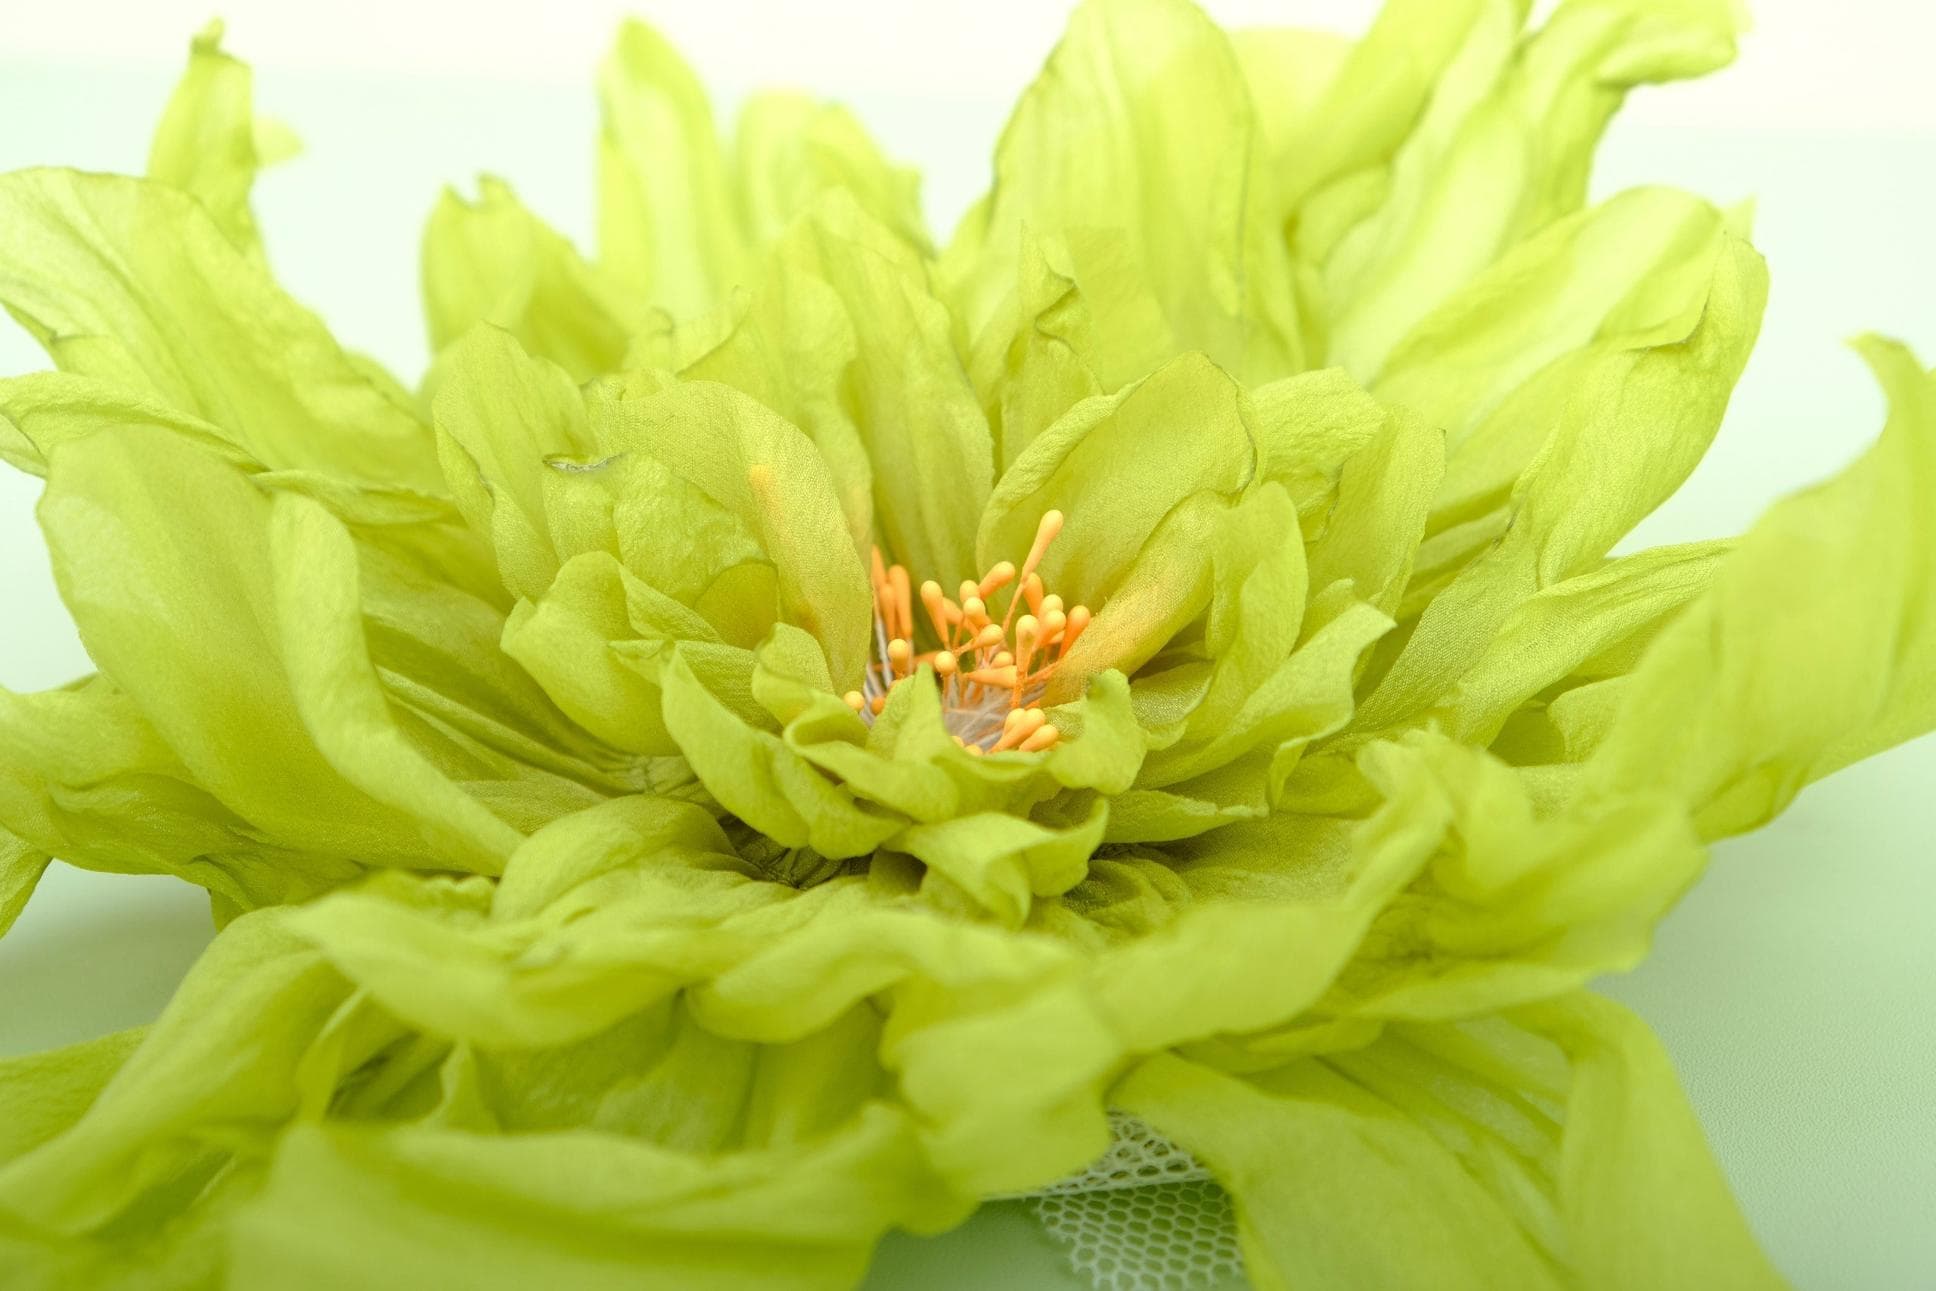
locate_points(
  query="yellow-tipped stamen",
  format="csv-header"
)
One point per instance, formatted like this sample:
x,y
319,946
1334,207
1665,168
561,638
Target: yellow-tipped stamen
x,y
1025,630
1043,737
897,578
937,607
1045,532
1027,633
1022,725
996,578
1078,620
991,674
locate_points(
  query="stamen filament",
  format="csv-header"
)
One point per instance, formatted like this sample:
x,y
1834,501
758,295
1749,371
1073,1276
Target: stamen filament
x,y
991,674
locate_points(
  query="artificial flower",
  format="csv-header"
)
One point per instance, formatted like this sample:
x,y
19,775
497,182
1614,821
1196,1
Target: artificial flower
x,y
788,727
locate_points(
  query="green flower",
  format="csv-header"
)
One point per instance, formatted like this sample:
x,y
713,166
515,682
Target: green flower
x,y
789,726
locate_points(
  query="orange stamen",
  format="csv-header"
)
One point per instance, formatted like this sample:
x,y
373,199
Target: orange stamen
x,y
990,673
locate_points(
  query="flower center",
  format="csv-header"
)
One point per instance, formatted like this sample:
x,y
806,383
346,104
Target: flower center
x,y
991,672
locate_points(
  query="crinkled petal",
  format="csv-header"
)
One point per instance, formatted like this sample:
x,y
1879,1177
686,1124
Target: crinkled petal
x,y
229,631
1141,122
1555,1150
210,143
1812,648
1628,425
134,283
493,261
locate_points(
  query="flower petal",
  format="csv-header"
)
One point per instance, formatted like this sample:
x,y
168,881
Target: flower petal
x,y
1500,147
1141,121
1552,1151
675,242
203,617
210,143
135,284
1627,427
790,149
1814,646
493,261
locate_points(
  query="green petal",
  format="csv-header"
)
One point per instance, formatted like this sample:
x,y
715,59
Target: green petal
x,y
1307,427
1575,632
1002,861
789,149
681,224
1526,899
1555,1150
1352,108
1627,426
842,336
581,1208
553,483
1115,467
226,1050
1079,320
1255,607
429,961
233,629
501,414
911,403
210,143
340,698
1384,493
1104,747
87,778
1645,1203
48,1092
20,869
788,343
758,778
1497,362
1307,696
586,844
908,763
590,641
1811,650
42,410
1141,121
1501,148
134,284
1319,1171
493,261
765,473
667,225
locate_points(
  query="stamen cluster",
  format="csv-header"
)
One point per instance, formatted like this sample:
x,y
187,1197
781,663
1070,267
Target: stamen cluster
x,y
992,673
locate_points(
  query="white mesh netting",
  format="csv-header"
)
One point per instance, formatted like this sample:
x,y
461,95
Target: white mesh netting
x,y
1144,1216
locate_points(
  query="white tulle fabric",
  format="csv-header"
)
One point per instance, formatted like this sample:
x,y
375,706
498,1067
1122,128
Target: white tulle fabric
x,y
1144,1216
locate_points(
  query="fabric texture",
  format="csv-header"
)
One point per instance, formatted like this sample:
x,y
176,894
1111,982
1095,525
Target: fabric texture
x,y
1144,1216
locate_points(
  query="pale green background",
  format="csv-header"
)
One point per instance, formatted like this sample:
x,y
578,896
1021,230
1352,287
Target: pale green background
x,y
1794,985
